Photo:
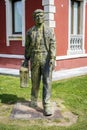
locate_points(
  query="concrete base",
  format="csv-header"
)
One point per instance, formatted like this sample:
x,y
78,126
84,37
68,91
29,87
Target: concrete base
x,y
57,75
61,116
22,110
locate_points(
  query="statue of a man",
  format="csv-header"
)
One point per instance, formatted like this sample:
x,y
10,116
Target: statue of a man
x,y
40,50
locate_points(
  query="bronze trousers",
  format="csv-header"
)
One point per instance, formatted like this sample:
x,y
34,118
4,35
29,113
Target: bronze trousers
x,y
40,69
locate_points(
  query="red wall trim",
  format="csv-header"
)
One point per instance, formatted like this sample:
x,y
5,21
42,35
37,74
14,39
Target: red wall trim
x,y
71,63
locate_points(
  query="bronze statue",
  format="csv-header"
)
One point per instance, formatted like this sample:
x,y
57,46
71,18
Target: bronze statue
x,y
40,50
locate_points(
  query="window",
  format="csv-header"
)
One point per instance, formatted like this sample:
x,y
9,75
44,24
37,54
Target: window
x,y
76,17
15,21
76,27
17,16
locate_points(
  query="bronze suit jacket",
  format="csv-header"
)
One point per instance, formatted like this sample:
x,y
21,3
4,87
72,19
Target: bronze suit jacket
x,y
49,41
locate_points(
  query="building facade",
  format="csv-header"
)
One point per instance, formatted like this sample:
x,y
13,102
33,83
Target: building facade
x,y
68,19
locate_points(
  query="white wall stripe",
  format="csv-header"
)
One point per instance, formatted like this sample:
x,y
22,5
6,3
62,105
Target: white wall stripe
x,y
71,56
57,57
11,56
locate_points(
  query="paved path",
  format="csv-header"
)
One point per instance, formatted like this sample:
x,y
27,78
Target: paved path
x,y
57,75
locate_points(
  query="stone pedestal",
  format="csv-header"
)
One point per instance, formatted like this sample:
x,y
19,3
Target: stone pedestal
x,y
24,111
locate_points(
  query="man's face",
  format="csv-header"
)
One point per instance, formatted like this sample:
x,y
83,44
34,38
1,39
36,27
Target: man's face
x,y
39,18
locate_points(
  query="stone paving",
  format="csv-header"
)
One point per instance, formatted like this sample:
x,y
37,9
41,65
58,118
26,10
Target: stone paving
x,y
61,116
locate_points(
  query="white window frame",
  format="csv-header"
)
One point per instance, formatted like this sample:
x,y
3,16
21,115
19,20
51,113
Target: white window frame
x,y
9,35
69,51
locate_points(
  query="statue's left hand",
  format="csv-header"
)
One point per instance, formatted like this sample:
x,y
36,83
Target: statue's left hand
x,y
52,63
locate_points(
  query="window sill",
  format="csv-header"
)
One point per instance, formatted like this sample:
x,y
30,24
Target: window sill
x,y
17,37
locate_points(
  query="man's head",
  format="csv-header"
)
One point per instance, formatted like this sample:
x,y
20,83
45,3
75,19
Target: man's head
x,y
38,16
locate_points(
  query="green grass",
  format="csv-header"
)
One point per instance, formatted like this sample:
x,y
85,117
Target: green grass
x,y
73,93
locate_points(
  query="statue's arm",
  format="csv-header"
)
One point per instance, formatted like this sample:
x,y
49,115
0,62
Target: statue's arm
x,y
52,48
27,51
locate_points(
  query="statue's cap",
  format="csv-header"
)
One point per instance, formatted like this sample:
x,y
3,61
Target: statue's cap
x,y
38,11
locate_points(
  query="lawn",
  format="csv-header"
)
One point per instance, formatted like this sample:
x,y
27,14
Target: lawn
x,y
73,93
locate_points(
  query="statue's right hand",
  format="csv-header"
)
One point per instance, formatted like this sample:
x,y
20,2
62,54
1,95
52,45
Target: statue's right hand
x,y
25,63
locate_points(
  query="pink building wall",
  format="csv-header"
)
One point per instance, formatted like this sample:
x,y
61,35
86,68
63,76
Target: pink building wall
x,y
61,31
